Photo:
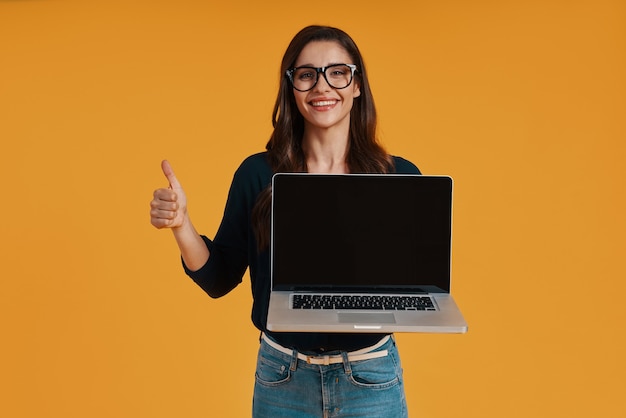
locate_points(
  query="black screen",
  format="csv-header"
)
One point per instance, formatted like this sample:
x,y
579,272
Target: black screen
x,y
350,232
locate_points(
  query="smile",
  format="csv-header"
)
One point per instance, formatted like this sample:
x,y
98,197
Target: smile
x,y
324,103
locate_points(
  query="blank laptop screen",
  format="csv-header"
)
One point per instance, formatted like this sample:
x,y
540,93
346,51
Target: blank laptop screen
x,y
361,232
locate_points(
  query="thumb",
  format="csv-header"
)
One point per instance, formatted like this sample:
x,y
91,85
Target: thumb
x,y
169,173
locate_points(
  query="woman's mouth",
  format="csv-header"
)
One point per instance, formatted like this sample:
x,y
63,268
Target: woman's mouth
x,y
320,104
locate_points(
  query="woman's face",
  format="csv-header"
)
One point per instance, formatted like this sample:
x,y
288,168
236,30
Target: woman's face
x,y
323,106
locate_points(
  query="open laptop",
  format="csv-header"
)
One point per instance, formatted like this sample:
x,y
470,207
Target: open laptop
x,y
362,253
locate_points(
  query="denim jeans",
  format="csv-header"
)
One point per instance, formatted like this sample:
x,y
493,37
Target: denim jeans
x,y
288,387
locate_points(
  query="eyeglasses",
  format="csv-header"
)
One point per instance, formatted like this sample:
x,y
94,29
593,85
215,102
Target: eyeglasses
x,y
338,76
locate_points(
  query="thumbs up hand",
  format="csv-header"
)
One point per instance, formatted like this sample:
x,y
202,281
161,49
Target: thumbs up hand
x,y
168,208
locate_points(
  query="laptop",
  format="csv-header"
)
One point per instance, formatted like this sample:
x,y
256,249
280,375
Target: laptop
x,y
362,253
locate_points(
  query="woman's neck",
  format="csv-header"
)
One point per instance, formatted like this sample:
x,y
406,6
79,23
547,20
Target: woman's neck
x,y
325,153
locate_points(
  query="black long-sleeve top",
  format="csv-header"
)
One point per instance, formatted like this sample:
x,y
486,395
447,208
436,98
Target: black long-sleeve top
x,y
234,249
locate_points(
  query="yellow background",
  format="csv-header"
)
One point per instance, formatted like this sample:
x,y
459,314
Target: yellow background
x,y
523,103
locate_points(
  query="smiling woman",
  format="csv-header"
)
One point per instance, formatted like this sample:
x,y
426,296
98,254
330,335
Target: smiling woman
x,y
325,125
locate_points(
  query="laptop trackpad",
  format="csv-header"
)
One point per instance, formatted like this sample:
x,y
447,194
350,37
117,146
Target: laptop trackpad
x,y
366,318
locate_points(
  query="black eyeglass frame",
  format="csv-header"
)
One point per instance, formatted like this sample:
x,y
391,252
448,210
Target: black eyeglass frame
x,y
318,70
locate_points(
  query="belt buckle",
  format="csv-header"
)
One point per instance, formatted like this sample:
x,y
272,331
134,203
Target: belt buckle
x,y
325,359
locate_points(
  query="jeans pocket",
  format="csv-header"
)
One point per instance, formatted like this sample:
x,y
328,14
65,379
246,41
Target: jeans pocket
x,y
377,373
271,370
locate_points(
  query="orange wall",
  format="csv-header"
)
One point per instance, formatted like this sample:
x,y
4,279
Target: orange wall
x,y
523,103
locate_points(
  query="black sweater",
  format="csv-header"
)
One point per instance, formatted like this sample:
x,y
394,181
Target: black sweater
x,y
234,249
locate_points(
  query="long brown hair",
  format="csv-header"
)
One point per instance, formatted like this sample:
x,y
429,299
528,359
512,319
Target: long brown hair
x,y
284,148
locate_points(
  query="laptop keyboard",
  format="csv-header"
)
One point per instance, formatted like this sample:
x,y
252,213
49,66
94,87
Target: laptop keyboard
x,y
367,302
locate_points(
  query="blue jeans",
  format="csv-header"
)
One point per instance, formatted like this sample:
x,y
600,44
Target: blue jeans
x,y
288,387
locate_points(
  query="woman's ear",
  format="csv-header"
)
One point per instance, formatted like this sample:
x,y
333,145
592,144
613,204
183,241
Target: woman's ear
x,y
357,90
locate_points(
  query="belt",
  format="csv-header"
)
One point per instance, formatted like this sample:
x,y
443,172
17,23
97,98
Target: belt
x,y
362,354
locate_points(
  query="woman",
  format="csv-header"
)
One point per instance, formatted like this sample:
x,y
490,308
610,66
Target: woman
x,y
324,122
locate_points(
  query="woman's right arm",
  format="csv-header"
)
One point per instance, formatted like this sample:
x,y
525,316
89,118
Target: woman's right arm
x,y
168,209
